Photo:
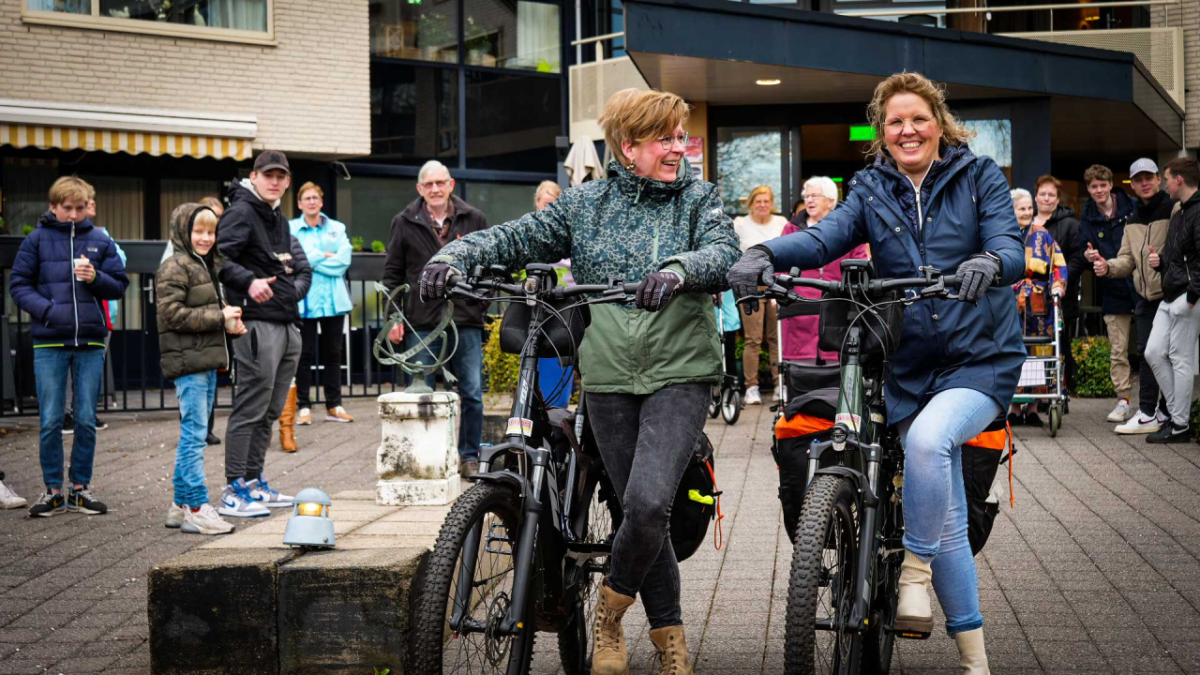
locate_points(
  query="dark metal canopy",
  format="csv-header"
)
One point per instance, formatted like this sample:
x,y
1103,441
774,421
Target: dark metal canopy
x,y
715,51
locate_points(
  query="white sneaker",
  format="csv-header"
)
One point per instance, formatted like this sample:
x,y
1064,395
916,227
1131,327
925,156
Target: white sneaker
x,y
236,502
272,499
778,390
1140,423
204,521
1121,412
175,515
752,397
10,499
304,417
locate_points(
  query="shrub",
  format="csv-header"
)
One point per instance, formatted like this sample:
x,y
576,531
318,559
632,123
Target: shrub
x,y
1093,360
1194,420
500,370
378,247
27,230
356,243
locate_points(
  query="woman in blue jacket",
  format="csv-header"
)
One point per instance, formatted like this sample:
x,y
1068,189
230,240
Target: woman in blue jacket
x,y
327,302
927,200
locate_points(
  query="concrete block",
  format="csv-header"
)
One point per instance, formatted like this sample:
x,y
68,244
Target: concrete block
x,y
417,460
209,612
345,611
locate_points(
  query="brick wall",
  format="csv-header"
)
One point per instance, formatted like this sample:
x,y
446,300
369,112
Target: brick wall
x,y
1190,20
310,93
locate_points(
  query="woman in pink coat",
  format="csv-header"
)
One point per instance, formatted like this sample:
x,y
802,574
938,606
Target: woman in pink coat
x,y
800,332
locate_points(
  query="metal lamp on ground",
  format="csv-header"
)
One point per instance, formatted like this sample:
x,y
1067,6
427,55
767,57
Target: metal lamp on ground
x,y
310,524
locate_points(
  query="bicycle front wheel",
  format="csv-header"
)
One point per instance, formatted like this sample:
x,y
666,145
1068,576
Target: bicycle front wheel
x,y
455,628
821,587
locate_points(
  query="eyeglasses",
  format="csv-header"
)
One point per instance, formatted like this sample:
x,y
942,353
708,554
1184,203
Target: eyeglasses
x,y
812,195
311,198
896,124
439,184
668,141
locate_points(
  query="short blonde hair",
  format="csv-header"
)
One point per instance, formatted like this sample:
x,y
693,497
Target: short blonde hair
x,y
953,132
214,204
309,186
206,217
760,190
637,115
71,188
546,187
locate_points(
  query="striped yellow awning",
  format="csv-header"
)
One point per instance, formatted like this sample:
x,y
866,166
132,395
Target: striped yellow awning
x,y
132,142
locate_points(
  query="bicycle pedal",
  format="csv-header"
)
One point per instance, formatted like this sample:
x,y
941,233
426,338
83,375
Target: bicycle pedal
x,y
910,635
501,539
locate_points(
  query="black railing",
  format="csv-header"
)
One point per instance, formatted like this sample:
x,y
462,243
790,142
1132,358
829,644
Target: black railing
x,y
134,380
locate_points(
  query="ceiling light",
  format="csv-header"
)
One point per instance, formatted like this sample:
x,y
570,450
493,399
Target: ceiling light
x,y
767,83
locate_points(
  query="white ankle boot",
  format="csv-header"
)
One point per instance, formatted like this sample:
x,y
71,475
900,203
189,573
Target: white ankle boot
x,y
914,616
972,657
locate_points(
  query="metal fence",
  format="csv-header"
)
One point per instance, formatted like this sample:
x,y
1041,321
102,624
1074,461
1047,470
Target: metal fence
x,y
134,379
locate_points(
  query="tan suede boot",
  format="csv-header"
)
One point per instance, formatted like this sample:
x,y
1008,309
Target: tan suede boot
x,y
672,651
914,616
972,657
287,422
608,638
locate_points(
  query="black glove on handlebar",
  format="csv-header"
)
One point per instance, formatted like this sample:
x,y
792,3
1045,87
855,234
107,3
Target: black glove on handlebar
x,y
656,290
753,270
976,276
435,280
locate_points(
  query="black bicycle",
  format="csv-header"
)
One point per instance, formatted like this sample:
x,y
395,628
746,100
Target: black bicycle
x,y
524,550
848,548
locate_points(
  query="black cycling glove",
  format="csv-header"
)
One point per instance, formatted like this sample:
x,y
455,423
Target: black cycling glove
x,y
976,276
753,270
435,278
657,289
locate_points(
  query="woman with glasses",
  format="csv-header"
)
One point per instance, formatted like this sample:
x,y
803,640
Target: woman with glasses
x,y
800,336
648,367
328,301
927,200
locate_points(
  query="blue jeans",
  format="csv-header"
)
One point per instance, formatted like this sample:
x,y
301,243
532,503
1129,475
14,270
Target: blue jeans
x,y
195,392
935,499
467,366
50,367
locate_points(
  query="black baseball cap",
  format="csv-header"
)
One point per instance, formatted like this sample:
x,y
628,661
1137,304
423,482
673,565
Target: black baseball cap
x,y
271,159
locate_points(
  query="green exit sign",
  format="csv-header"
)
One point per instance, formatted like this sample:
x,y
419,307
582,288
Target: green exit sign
x,y
862,132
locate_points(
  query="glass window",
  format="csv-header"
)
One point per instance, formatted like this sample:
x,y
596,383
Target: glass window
x,y
24,185
747,158
65,6
367,205
513,35
512,121
501,202
992,138
120,205
236,14
176,191
414,114
424,31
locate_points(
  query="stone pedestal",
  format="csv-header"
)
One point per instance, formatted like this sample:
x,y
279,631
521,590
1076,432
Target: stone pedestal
x,y
417,461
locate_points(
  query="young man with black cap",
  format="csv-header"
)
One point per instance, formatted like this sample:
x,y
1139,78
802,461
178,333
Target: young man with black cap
x,y
266,274
1145,234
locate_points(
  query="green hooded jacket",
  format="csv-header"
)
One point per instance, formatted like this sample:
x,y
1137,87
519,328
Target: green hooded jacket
x,y
628,227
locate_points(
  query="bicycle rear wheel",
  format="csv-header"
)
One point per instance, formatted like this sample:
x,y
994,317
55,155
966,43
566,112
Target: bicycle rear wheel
x,y
490,515
575,642
821,588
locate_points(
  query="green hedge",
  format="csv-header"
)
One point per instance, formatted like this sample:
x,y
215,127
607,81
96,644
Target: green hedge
x,y
1093,360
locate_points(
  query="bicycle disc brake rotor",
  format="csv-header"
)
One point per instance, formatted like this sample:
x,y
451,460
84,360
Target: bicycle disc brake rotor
x,y
495,646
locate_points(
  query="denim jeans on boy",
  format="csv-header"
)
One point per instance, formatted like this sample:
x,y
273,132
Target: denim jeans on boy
x,y
647,443
935,499
50,367
195,393
467,366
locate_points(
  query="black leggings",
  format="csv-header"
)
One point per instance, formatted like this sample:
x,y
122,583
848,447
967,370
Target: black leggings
x,y
646,442
331,361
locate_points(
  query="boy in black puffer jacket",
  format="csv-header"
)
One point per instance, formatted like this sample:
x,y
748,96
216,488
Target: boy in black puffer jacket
x,y
63,270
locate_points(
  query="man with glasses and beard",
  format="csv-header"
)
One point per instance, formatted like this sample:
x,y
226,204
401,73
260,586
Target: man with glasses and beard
x,y
433,220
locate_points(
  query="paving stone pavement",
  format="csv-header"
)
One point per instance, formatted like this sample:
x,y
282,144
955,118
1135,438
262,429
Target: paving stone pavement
x,y
1096,570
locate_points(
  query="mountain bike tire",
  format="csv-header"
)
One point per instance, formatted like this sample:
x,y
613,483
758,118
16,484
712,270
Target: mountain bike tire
x,y
435,648
822,581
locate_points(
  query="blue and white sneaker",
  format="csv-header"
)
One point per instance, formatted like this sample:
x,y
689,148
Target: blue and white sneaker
x,y
236,502
272,499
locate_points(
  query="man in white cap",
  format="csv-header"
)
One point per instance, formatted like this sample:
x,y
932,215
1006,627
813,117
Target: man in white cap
x,y
1145,235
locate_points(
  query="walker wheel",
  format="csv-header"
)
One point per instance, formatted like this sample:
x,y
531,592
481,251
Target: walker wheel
x,y
1055,420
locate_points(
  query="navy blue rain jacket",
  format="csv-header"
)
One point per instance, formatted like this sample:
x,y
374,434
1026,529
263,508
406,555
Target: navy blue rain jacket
x,y
66,312
1117,296
944,344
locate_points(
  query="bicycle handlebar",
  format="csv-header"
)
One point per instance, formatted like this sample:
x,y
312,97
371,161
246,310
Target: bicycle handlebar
x,y
615,291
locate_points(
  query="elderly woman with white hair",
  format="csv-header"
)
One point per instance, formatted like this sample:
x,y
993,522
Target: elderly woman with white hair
x,y
800,332
1045,275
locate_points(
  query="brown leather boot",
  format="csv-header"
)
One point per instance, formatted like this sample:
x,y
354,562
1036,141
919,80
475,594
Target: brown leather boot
x,y
672,651
608,638
287,423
